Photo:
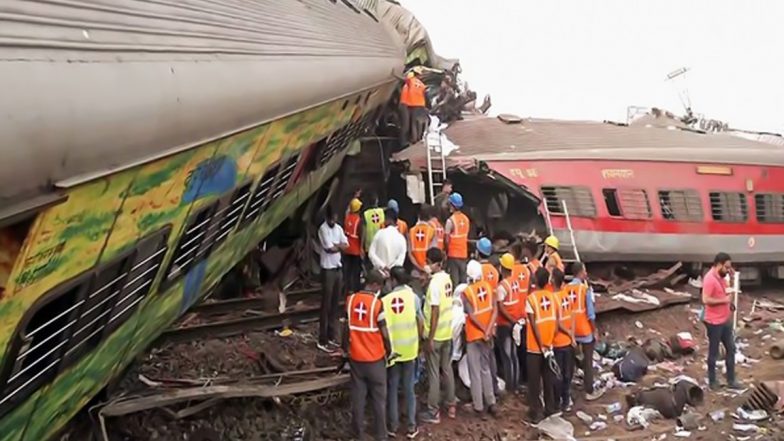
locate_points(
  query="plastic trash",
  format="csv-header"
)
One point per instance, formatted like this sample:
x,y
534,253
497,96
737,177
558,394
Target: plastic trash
x,y
746,428
752,415
584,417
556,428
683,434
717,415
641,416
638,324
598,425
614,407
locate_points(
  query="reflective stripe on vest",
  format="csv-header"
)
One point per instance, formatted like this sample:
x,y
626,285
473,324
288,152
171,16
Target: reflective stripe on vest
x,y
421,236
439,232
490,275
578,296
458,237
374,220
365,340
480,296
401,319
443,283
542,303
565,310
352,232
522,274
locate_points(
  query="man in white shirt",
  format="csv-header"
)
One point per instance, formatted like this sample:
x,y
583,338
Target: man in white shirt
x,y
388,248
332,240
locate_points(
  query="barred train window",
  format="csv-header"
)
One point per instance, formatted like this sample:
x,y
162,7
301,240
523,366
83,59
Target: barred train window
x,y
285,175
259,201
579,200
770,207
74,317
234,212
185,256
729,207
627,203
681,205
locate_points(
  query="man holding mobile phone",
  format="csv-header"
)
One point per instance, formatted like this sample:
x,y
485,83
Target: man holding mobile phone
x,y
718,301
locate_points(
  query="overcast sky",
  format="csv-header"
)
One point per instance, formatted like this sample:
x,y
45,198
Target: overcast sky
x,y
578,59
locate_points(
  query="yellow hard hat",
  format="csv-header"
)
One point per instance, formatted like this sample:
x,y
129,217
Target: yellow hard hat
x,y
552,241
355,205
507,261
410,75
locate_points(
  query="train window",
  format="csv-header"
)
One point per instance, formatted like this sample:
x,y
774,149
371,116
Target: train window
x,y
103,293
285,176
578,199
681,205
39,345
612,202
728,207
141,275
259,201
770,207
185,256
234,211
635,204
335,142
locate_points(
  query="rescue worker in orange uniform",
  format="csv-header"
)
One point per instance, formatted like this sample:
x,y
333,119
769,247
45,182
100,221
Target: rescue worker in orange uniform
x,y
368,347
402,226
524,251
530,250
421,237
584,313
413,110
551,257
456,240
353,254
542,321
511,308
432,213
481,313
563,344
489,272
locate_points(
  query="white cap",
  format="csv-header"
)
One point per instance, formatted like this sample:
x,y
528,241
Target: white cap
x,y
474,270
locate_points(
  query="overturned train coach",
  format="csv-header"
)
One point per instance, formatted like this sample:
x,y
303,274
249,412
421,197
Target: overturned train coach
x,y
147,147
645,192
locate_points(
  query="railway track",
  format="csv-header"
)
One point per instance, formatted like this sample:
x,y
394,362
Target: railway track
x,y
238,325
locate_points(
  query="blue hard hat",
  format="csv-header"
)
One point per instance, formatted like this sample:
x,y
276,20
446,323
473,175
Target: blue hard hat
x,y
456,199
392,204
484,246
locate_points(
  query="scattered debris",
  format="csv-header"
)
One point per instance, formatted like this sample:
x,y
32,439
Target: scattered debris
x,y
753,415
689,421
556,428
763,398
641,416
717,415
614,407
746,428
584,417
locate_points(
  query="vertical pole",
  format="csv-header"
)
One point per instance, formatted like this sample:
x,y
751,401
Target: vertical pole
x,y
736,289
571,231
429,169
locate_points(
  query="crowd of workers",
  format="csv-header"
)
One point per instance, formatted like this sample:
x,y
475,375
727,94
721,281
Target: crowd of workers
x,y
406,287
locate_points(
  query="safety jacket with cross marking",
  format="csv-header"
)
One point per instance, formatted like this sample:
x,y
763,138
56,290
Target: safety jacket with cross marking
x,y
457,247
421,236
490,275
513,301
439,231
578,298
364,311
481,297
443,283
401,318
542,303
522,274
351,224
374,220
563,340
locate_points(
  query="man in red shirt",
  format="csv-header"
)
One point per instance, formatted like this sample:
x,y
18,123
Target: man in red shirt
x,y
718,319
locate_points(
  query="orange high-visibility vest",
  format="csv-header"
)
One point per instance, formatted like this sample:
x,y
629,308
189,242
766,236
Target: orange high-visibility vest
x,y
421,236
534,265
513,302
490,275
352,222
543,304
565,309
366,343
413,93
439,229
522,274
402,227
578,296
480,296
457,247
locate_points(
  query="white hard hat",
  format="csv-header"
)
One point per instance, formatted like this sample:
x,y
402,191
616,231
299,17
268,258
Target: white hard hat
x,y
474,270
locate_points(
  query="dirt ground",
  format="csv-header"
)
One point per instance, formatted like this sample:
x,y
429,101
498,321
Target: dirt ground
x,y
326,416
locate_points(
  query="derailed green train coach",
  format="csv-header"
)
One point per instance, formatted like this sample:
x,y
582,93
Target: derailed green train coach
x,y
147,146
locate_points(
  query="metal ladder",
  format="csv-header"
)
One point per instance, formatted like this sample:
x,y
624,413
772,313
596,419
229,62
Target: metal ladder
x,y
436,162
572,242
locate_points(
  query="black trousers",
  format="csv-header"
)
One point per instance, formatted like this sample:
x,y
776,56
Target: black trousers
x,y
522,357
331,283
721,334
457,270
587,365
369,380
540,384
352,271
565,359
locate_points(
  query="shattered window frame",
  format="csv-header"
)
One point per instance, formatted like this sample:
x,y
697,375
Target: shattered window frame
x,y
769,207
579,200
680,205
729,206
633,203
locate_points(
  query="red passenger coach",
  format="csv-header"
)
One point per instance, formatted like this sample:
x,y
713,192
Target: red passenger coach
x,y
646,192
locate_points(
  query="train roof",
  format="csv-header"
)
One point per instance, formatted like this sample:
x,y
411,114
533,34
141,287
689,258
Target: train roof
x,y
92,87
507,138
